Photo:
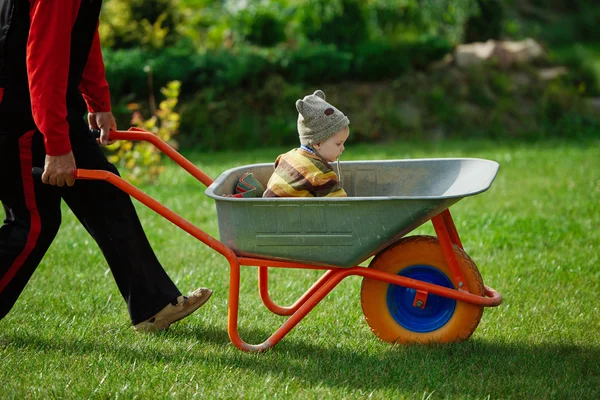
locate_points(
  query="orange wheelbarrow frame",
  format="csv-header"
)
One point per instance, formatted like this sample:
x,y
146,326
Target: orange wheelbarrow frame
x,y
443,224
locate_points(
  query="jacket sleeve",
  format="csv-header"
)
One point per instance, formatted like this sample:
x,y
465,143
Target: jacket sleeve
x,y
94,86
48,53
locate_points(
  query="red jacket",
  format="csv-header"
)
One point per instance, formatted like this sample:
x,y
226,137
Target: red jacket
x,y
57,43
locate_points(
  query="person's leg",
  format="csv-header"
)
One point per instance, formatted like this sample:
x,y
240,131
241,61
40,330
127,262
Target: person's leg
x,y
32,215
110,217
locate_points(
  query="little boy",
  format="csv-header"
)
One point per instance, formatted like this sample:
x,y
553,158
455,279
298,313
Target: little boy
x,y
305,171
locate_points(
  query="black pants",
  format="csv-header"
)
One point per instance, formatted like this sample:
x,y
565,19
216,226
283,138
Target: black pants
x,y
33,218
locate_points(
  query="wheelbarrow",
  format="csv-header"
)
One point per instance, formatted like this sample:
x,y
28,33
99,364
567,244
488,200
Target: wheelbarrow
x,y
416,289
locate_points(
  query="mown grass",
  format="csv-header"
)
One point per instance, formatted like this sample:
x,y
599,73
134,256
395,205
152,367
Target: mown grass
x,y
534,236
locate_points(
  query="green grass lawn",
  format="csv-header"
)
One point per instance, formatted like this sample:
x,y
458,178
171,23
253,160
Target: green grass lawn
x,y
535,236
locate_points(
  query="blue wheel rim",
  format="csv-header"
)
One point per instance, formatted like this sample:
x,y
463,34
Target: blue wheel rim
x,y
438,310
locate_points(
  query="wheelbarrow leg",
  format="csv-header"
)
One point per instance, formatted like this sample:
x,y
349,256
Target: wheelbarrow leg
x,y
449,222
309,303
448,236
263,289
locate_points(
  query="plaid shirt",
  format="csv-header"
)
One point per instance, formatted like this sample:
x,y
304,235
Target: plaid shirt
x,y
299,173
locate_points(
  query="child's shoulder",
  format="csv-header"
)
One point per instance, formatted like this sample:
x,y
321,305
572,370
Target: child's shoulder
x,y
301,160
301,156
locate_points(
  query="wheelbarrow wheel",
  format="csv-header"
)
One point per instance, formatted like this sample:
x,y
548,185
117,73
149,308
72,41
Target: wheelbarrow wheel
x,y
389,309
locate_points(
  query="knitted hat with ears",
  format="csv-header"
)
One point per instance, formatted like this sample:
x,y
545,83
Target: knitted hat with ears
x,y
317,119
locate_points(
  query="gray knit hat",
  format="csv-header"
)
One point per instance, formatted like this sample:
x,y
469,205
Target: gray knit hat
x,y
317,119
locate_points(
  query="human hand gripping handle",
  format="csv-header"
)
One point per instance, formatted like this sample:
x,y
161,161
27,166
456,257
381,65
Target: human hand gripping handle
x,y
59,170
103,122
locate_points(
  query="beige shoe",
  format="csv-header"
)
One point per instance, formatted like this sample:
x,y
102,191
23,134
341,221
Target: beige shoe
x,y
184,306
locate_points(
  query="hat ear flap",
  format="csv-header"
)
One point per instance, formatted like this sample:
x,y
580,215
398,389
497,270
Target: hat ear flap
x,y
299,106
319,93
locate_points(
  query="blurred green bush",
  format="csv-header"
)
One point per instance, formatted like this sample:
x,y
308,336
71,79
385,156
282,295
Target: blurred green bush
x,y
223,69
449,103
555,22
242,65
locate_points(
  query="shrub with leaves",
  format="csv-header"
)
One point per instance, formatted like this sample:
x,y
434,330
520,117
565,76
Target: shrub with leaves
x,y
150,24
141,160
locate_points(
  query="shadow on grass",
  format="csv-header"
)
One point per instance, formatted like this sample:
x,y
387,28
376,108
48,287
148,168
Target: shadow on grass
x,y
475,369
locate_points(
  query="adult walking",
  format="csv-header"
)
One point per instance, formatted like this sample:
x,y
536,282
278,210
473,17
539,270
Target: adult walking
x,y
51,75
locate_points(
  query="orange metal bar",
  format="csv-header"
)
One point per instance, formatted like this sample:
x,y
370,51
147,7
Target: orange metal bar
x,y
291,322
492,293
267,262
446,244
336,277
234,287
156,206
141,135
234,276
447,217
263,289
492,301
420,299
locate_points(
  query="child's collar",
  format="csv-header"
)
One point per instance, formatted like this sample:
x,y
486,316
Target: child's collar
x,y
308,149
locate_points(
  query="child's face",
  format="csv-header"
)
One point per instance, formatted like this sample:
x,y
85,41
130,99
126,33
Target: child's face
x,y
333,147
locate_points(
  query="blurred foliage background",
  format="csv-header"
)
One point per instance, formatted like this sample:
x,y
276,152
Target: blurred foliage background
x,y
241,64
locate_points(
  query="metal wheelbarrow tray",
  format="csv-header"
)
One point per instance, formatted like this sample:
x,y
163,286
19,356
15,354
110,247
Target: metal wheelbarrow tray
x,y
416,289
386,200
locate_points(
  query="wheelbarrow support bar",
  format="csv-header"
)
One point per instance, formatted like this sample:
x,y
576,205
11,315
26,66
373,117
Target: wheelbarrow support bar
x,y
136,134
